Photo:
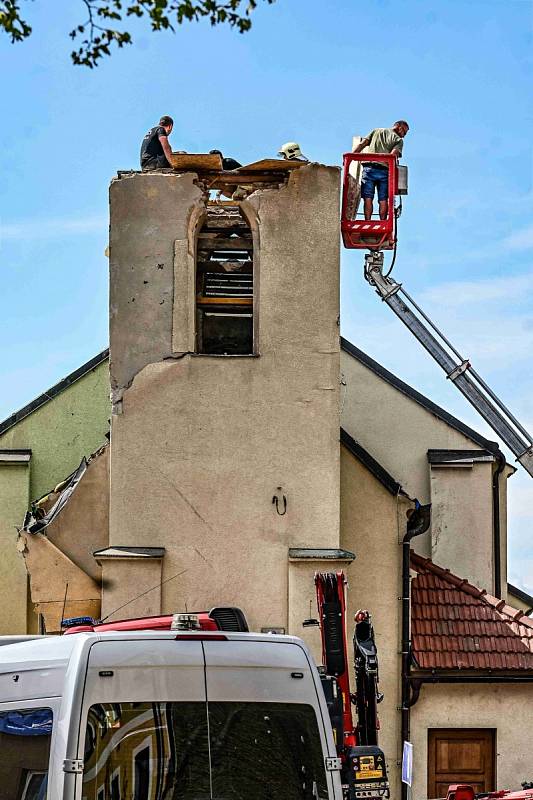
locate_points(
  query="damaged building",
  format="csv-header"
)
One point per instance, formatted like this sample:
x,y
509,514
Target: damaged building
x,y
231,477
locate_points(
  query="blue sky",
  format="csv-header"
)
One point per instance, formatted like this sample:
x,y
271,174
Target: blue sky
x,y
459,71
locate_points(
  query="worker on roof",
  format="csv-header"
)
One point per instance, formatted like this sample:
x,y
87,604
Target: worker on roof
x,y
376,175
155,149
290,151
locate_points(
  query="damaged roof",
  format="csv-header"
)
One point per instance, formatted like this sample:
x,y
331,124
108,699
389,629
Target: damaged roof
x,y
456,626
44,510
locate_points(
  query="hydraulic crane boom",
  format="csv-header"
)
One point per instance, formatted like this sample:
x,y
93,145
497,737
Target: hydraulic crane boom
x,y
457,369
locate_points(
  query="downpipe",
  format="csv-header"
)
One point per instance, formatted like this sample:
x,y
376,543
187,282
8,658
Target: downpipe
x,y
496,529
417,524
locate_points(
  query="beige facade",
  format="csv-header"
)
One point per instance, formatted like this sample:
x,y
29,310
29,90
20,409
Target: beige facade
x,y
227,484
402,437
202,444
505,709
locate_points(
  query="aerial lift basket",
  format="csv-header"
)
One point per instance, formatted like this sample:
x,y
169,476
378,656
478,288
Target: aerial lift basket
x,y
357,232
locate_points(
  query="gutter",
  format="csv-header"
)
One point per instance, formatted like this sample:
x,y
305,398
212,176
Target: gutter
x,y
417,524
416,681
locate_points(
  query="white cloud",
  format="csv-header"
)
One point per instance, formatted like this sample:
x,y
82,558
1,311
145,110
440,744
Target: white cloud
x,y
485,290
522,504
26,230
520,240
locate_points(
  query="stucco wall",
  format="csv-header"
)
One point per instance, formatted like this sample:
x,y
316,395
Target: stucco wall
x,y
14,499
505,708
203,442
59,588
461,521
83,524
133,588
148,214
398,432
372,523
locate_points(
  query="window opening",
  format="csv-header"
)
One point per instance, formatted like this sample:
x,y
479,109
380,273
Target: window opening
x,y
224,284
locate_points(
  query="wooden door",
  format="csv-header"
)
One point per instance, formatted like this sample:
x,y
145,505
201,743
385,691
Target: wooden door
x,y
461,755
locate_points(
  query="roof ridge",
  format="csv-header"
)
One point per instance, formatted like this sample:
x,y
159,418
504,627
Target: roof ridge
x,y
54,390
377,470
419,398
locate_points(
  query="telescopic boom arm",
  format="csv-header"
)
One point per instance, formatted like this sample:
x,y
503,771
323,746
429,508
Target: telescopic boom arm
x,y
457,369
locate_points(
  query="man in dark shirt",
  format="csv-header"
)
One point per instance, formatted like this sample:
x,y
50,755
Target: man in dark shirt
x,y
155,149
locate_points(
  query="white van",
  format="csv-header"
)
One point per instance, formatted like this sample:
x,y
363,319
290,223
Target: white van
x,y
160,715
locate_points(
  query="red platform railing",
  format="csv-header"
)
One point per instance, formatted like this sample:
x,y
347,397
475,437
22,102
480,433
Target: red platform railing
x,y
358,232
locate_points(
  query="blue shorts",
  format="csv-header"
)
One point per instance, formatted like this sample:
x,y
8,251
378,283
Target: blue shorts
x,y
375,177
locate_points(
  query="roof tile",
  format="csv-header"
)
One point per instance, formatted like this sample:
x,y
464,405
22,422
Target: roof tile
x,y
456,625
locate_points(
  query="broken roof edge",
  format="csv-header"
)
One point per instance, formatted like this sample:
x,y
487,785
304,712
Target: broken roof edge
x,y
36,523
373,466
421,399
453,456
66,486
56,389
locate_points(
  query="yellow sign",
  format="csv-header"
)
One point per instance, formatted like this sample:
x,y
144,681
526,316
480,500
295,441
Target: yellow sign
x,y
368,773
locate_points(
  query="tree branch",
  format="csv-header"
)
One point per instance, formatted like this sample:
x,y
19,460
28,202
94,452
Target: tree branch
x,y
11,21
160,13
96,37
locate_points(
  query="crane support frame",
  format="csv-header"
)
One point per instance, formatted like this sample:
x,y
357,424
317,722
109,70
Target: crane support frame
x,y
363,764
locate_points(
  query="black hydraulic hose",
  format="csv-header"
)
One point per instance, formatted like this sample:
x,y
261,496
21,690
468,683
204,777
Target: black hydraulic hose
x,y
397,214
393,260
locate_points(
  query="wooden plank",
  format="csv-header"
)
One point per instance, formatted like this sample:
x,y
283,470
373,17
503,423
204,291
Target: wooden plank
x,y
272,165
221,179
196,161
242,267
224,255
214,224
224,243
224,301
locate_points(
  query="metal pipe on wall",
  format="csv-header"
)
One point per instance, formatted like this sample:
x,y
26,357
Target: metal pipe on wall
x,y
496,524
417,524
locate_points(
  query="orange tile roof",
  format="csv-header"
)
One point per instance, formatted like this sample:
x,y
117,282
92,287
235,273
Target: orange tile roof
x,y
455,625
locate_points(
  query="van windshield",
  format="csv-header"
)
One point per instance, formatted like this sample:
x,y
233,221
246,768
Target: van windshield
x,y
25,736
191,751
